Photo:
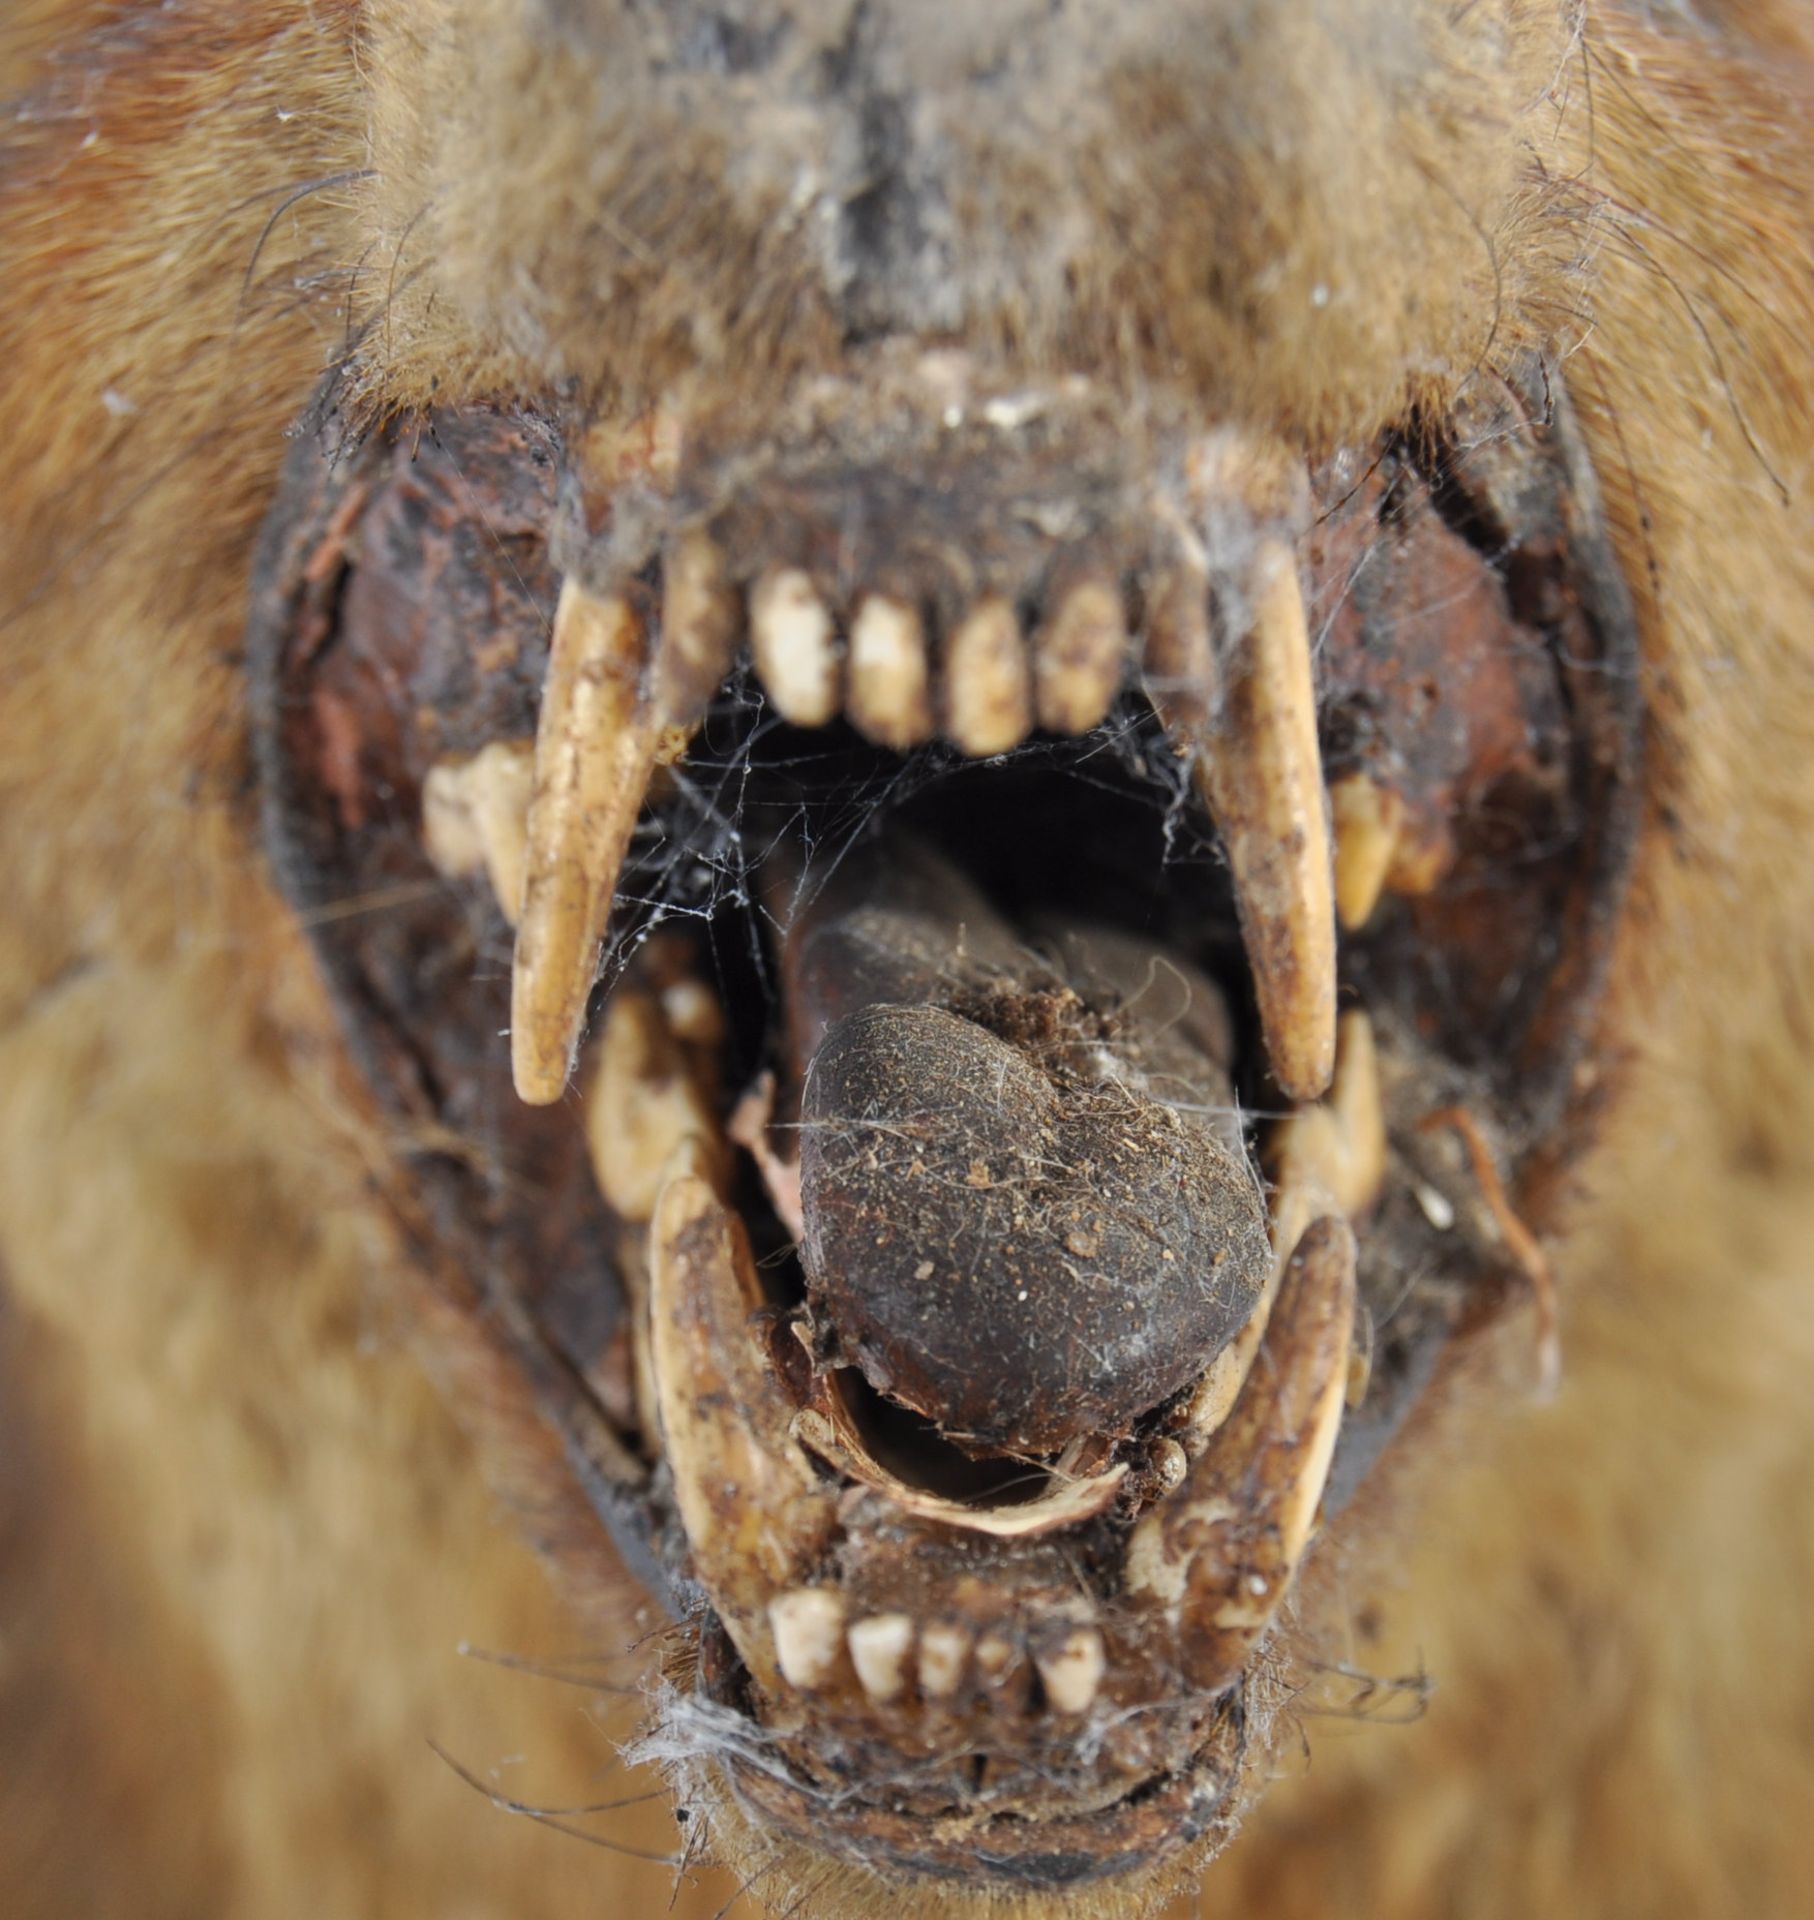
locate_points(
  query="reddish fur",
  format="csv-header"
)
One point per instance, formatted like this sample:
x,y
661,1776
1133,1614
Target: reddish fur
x,y
265,1517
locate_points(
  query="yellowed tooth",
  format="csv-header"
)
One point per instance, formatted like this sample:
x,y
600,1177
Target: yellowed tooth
x,y
1217,1556
700,623
1079,655
879,1647
988,680
757,1517
595,749
944,1655
1179,666
890,697
475,813
795,647
1333,1154
1261,773
1368,819
1072,1671
1330,1155
808,1625
643,1105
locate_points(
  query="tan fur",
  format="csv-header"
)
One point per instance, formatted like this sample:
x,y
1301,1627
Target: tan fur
x,y
244,1539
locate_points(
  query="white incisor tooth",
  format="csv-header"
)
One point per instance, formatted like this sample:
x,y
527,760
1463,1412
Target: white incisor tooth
x,y
890,696
476,814
1072,1671
1261,772
1079,656
879,1647
808,1626
1218,1556
595,748
988,680
795,647
700,622
757,1517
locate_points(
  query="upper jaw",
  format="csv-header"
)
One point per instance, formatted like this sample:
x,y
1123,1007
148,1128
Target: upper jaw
x,y
1398,677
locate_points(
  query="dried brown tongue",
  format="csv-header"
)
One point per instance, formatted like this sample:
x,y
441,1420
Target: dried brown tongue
x,y
1028,1216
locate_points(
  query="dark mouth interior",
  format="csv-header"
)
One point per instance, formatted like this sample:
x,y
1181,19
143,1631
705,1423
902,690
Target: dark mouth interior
x,y
1103,831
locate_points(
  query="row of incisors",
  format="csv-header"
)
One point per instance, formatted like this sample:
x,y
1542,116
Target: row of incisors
x,y
889,1652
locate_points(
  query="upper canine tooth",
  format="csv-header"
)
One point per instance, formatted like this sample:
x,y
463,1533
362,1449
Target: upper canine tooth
x,y
1220,1552
988,683
700,624
756,1515
890,698
1079,654
1262,775
795,647
595,748
1180,655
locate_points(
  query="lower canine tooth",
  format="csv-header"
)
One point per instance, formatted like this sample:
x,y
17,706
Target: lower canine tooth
x,y
1261,773
890,697
700,620
1219,1554
1078,657
794,647
756,1515
988,691
595,748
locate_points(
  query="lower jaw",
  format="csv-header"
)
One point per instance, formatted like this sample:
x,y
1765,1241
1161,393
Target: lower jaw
x,y
1476,707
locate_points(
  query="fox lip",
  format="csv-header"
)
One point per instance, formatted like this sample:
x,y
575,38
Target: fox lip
x,y
924,1669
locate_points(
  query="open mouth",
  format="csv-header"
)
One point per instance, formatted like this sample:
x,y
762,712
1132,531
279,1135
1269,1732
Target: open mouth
x,y
970,1218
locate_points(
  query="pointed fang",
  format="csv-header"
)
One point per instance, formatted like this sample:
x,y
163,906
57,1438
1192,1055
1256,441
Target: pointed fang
x,y
595,748
1220,1553
1262,776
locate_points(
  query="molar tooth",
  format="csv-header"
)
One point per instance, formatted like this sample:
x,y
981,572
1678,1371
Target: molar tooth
x,y
595,747
795,647
988,682
1367,819
643,1105
1219,1554
879,1647
757,1517
808,1625
476,814
700,623
1079,655
944,1654
890,697
1261,773
1180,656
1072,1671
